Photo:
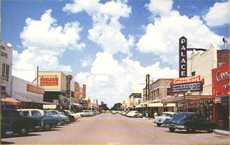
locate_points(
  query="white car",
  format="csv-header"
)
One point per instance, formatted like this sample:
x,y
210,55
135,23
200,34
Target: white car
x,y
134,114
75,115
159,120
87,113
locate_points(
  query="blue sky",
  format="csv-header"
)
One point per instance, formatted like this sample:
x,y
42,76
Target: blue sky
x,y
139,22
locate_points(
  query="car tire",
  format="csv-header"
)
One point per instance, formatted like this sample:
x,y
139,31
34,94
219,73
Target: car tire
x,y
23,131
171,129
209,130
158,124
47,127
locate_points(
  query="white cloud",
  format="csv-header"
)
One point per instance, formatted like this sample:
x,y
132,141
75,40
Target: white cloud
x,y
161,37
106,30
112,81
218,14
45,42
160,7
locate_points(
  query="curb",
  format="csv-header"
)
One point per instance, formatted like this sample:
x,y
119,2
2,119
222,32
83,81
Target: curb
x,y
221,132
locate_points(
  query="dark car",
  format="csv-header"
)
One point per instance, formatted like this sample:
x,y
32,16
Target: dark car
x,y
12,122
190,121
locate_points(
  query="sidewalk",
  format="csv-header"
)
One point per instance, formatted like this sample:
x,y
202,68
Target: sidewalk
x,y
221,132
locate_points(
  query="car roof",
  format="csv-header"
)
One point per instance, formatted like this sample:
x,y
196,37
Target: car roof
x,y
169,112
186,113
29,110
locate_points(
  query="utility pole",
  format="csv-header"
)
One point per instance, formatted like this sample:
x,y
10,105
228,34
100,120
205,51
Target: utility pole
x,y
37,74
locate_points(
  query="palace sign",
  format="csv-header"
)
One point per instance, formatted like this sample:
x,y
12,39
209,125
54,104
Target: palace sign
x,y
183,57
186,84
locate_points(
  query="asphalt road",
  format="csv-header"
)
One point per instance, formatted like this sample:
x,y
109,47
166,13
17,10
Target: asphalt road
x,y
115,129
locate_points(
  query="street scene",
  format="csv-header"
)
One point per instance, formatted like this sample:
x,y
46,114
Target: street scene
x,y
115,72
110,128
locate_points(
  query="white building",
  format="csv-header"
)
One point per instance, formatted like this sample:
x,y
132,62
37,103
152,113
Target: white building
x,y
6,52
201,63
26,91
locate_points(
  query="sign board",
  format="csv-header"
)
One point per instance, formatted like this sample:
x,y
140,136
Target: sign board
x,y
48,80
183,57
221,80
187,87
185,84
34,89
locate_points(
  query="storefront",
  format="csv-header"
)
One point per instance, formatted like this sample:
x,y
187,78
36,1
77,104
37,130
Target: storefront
x,y
187,92
221,93
58,88
29,95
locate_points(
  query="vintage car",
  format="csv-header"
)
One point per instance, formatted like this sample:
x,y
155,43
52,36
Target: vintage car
x,y
159,120
190,121
44,121
134,114
12,122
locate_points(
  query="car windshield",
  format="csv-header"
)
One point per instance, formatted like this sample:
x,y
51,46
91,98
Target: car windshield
x,y
167,114
36,114
181,117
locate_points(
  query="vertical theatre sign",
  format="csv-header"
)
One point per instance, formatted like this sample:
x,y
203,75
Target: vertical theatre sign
x,y
183,57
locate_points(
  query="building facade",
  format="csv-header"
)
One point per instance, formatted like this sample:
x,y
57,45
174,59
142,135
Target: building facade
x,y
221,94
6,52
29,94
58,88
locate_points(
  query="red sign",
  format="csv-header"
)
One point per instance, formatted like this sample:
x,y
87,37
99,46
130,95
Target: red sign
x,y
188,80
220,80
49,80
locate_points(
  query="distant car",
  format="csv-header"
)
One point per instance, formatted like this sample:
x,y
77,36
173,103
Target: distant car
x,y
134,114
190,121
12,122
159,120
87,113
44,121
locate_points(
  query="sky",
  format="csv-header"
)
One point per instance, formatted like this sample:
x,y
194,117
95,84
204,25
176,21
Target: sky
x,y
109,45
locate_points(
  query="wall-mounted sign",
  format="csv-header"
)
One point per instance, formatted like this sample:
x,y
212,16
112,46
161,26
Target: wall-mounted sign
x,y
48,80
183,57
221,80
34,89
187,87
185,84
187,80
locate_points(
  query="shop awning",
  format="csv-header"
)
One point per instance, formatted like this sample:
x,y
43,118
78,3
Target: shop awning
x,y
77,104
9,101
170,105
155,105
138,106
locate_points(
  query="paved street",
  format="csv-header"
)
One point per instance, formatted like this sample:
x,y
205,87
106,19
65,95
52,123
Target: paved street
x,y
110,129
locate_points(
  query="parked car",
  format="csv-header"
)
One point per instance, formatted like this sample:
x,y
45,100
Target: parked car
x,y
75,115
159,120
190,121
87,113
44,121
12,122
63,119
134,114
